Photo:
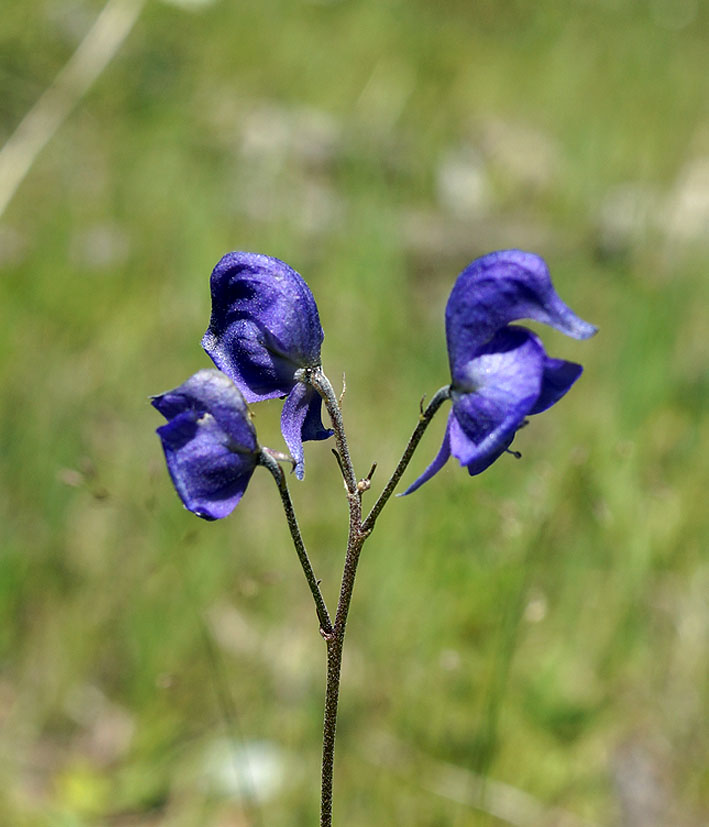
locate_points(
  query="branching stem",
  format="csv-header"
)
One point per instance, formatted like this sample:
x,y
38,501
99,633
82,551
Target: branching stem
x,y
334,632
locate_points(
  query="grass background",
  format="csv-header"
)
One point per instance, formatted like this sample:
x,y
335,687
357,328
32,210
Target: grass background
x,y
525,647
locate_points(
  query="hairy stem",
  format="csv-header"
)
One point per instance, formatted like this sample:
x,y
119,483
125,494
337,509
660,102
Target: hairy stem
x,y
358,533
335,641
322,385
426,416
279,476
335,645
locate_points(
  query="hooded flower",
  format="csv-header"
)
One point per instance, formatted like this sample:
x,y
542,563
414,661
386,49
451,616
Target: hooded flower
x,y
265,334
500,372
209,442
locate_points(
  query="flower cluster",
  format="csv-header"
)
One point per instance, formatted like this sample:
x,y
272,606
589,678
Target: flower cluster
x,y
265,336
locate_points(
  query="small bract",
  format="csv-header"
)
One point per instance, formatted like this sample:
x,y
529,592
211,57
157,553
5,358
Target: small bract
x,y
265,334
209,442
500,372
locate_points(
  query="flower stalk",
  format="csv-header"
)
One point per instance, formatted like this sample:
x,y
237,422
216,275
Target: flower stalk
x,y
424,420
271,464
323,386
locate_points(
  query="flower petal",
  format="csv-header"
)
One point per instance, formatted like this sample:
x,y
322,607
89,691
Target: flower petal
x,y
264,324
440,460
497,289
558,377
301,420
481,456
210,391
501,386
208,475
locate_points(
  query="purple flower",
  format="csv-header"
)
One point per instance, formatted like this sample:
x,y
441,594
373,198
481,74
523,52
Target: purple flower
x,y
501,373
209,442
265,334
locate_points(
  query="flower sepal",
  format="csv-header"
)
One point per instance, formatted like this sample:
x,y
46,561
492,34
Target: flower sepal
x,y
209,443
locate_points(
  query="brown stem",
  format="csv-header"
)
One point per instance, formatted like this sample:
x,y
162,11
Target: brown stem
x,y
358,533
335,644
335,640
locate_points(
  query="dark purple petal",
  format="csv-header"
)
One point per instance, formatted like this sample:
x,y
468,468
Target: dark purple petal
x,y
264,324
210,391
249,357
440,460
558,377
498,289
500,387
208,474
484,455
313,428
301,420
209,442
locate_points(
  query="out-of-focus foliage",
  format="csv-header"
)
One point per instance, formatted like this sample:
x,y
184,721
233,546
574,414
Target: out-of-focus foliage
x,y
525,647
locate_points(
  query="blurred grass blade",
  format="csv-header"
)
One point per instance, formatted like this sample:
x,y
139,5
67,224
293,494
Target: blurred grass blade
x,y
504,802
39,125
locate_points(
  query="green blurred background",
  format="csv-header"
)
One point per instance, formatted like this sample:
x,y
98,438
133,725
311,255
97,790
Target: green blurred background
x,y
527,647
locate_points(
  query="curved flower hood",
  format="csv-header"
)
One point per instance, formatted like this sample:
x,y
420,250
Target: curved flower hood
x,y
264,332
500,372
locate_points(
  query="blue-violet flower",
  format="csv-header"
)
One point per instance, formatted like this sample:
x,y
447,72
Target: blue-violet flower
x,y
265,334
209,442
500,372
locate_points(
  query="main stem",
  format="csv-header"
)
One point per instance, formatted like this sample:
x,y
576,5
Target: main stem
x,y
335,641
357,535
335,644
